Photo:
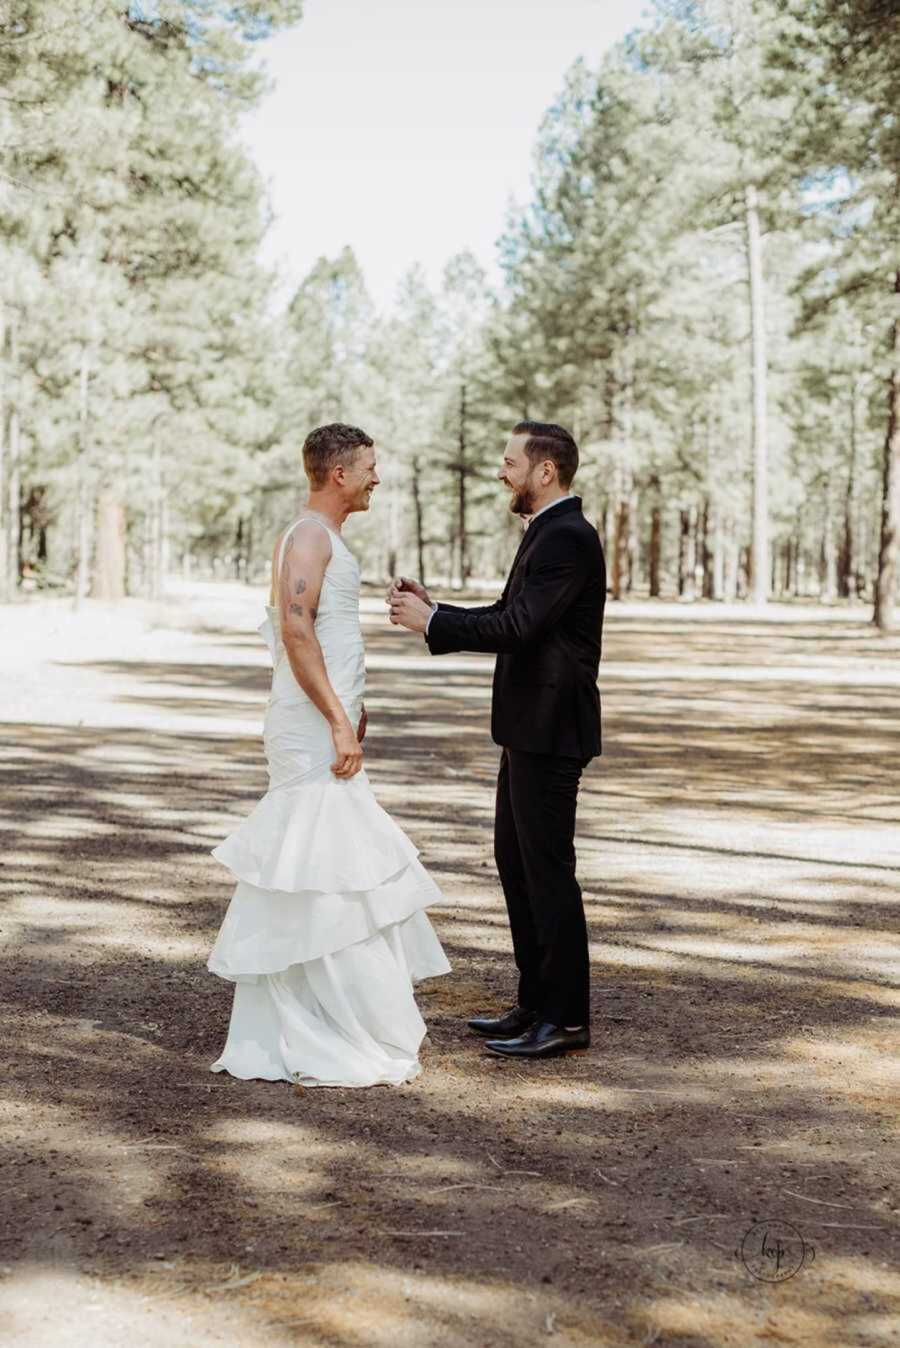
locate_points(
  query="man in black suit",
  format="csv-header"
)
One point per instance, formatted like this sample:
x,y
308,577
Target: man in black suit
x,y
545,630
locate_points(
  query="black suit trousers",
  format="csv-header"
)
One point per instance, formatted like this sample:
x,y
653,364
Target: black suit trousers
x,y
534,846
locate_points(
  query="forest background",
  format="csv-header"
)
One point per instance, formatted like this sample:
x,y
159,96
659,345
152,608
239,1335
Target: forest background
x,y
705,287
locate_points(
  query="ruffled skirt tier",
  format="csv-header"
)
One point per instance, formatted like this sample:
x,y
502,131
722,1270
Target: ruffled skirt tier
x,y
326,935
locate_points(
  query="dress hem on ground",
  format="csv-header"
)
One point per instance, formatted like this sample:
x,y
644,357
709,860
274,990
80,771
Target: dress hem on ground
x,y
345,1019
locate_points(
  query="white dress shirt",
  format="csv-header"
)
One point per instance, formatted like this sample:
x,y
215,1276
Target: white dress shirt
x,y
531,519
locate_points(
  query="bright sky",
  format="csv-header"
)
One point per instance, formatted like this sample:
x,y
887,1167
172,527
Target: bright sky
x,y
404,127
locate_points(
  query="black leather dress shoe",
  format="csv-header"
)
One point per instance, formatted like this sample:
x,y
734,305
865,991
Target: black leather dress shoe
x,y
505,1026
542,1040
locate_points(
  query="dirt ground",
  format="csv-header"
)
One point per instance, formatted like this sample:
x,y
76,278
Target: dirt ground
x,y
721,1168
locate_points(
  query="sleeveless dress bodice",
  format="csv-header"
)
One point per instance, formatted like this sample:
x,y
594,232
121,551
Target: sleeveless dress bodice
x,y
338,632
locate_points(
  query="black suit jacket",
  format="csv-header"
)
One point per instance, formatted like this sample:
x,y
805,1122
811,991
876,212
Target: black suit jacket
x,y
546,630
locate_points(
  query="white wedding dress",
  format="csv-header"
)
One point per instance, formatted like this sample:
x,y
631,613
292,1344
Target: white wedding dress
x,y
326,932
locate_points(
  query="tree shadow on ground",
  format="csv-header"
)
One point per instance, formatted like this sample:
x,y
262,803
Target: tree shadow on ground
x,y
741,917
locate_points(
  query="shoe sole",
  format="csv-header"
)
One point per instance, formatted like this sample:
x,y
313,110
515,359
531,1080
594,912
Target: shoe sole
x,y
535,1057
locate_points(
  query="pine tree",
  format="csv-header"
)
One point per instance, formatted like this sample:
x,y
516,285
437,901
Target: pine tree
x,y
140,216
854,50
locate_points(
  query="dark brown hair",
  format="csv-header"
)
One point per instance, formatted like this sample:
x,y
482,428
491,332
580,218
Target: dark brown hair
x,y
548,441
329,445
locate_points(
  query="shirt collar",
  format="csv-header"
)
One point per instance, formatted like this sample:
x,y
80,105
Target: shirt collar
x,y
568,497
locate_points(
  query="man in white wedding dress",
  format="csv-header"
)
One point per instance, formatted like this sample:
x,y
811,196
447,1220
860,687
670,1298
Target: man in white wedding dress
x,y
326,933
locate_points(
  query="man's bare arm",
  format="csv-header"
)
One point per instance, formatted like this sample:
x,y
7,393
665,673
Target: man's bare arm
x,y
306,555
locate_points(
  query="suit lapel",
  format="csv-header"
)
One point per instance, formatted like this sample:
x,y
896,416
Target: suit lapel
x,y
564,508
520,551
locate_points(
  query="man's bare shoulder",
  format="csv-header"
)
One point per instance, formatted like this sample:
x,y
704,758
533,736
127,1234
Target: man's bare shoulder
x,y
307,539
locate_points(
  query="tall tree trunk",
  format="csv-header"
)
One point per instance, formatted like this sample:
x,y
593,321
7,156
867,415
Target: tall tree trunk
x,y
146,555
16,523
886,581
12,530
731,562
14,520
705,558
620,549
238,551
82,493
745,571
787,567
829,562
633,543
863,548
609,527
5,587
109,564
687,555
655,549
717,578
393,540
799,557
167,542
419,520
625,402
158,527
35,513
462,469
760,418
41,528
846,564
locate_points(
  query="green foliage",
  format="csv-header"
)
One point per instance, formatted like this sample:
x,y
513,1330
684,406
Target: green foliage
x,y
129,224
142,350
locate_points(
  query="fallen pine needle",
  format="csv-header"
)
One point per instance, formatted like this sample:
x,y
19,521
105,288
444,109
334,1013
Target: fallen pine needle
x,y
606,1178
422,1233
702,1217
469,1184
848,1226
770,1146
537,1173
773,1332
234,1281
147,1145
821,1201
648,1090
568,1203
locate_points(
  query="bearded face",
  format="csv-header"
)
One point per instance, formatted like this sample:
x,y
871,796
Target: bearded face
x,y
522,502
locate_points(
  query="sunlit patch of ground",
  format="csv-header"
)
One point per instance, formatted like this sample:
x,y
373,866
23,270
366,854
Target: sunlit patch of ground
x,y
740,855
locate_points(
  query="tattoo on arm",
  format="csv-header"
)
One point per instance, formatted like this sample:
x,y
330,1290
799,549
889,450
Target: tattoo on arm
x,y
301,586
297,609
